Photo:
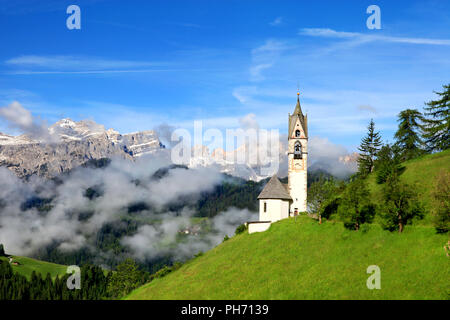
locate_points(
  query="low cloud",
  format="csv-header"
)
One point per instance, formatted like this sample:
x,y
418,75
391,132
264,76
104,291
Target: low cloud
x,y
164,132
329,157
18,117
151,241
74,218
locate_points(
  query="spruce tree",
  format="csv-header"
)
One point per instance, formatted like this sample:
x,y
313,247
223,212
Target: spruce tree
x,y
370,145
437,122
408,134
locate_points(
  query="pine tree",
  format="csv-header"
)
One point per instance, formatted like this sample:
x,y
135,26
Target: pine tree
x,y
437,122
408,134
370,145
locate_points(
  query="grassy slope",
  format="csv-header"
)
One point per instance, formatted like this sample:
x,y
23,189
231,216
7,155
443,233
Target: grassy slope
x,y
420,172
303,260
27,265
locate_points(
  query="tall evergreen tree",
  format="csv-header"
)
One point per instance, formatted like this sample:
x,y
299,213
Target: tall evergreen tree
x,y
437,121
408,134
370,145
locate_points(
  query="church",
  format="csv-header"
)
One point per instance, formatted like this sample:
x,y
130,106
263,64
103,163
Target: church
x,y
280,201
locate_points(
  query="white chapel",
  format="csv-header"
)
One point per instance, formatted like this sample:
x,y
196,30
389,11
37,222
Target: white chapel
x,y
277,200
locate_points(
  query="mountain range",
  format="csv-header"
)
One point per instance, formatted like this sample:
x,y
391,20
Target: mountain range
x,y
76,143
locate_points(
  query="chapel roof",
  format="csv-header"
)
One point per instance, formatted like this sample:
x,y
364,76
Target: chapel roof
x,y
274,189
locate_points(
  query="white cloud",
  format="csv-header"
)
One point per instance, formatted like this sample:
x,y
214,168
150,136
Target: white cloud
x,y
19,117
364,37
277,21
66,64
264,57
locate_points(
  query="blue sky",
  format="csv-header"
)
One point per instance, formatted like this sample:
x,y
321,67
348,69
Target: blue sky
x,y
137,64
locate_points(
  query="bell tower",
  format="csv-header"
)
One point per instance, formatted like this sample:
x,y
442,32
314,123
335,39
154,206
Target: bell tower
x,y
297,158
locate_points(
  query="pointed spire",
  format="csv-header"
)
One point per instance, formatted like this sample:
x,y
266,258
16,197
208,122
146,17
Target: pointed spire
x,y
298,109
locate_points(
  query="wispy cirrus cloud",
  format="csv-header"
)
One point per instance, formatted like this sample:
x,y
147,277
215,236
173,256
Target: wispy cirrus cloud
x,y
39,64
276,22
364,38
264,56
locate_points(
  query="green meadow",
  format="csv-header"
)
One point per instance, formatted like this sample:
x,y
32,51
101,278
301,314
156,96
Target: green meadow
x,y
28,265
300,259
420,173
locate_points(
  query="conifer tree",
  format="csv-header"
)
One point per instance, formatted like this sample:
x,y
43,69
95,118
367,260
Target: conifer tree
x,y
370,145
408,134
437,122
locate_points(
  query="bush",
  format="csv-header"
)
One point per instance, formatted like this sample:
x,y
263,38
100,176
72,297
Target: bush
x,y
441,196
355,208
225,238
162,272
242,228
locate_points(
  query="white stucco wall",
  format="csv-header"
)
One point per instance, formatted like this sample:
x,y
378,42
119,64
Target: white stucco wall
x,y
258,227
298,189
276,209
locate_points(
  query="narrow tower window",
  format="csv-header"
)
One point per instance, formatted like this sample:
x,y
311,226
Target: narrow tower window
x,y
297,133
297,150
265,206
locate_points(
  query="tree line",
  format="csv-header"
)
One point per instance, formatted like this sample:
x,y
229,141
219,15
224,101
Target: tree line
x,y
417,134
95,283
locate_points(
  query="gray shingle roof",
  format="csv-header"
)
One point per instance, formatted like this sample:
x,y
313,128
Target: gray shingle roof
x,y
274,189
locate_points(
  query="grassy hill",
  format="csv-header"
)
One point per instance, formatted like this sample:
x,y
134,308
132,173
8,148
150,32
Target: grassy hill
x,y
27,265
421,173
303,260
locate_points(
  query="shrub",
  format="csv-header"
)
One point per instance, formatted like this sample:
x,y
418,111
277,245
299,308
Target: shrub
x,y
240,229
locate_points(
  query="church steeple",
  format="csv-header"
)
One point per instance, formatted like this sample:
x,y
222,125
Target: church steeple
x,y
298,159
298,114
298,108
